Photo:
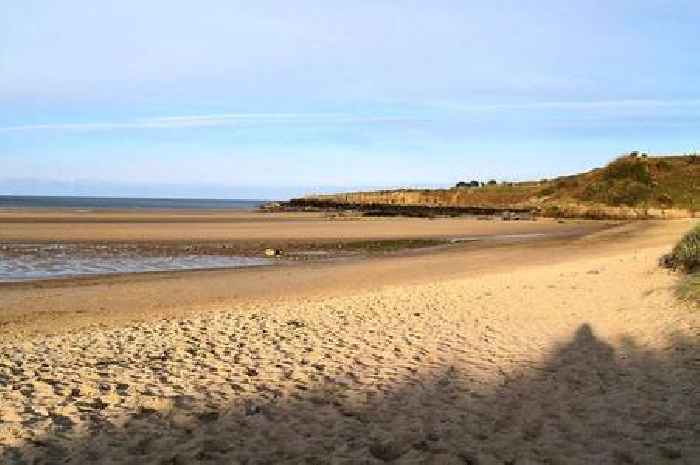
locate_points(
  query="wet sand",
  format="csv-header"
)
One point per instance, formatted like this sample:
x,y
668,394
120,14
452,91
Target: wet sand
x,y
560,351
164,226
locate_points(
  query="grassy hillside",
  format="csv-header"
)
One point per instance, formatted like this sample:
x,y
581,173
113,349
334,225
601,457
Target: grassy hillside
x,y
634,181
625,187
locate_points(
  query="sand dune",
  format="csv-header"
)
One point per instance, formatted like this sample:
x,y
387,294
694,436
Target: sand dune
x,y
590,359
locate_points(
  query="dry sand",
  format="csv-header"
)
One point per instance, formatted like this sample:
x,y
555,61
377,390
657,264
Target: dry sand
x,y
555,353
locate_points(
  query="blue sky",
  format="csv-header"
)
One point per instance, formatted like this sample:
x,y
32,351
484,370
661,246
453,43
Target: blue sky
x,y
275,98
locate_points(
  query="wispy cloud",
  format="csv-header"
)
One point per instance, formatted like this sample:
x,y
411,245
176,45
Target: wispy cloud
x,y
251,116
624,107
593,105
212,120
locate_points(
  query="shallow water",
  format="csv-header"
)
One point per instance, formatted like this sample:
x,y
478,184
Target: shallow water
x,y
498,237
31,266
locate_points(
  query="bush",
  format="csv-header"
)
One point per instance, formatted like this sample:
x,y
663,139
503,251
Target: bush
x,y
634,169
552,211
617,192
463,184
625,181
686,254
628,193
549,190
567,183
665,200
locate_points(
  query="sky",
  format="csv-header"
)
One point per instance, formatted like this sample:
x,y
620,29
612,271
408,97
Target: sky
x,y
273,99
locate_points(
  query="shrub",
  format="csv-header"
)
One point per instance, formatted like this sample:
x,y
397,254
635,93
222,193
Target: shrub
x,y
625,181
463,184
567,183
594,190
617,192
549,190
686,257
686,254
665,200
634,169
552,211
628,193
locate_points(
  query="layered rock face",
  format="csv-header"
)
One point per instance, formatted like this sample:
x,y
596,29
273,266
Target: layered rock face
x,y
429,197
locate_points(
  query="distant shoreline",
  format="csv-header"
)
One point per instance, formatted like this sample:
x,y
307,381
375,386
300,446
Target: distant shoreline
x,y
128,203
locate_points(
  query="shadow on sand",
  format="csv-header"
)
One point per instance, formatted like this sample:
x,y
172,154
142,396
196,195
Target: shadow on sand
x,y
588,403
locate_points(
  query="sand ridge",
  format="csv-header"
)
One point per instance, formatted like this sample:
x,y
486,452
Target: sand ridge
x,y
589,360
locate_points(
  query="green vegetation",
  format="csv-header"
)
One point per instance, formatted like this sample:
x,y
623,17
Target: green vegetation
x,y
470,184
625,181
685,256
634,181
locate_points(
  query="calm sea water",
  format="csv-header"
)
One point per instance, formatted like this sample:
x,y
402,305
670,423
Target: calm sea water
x,y
18,201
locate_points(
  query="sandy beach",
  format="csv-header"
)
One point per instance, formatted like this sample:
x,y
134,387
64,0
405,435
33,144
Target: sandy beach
x,y
349,233
572,349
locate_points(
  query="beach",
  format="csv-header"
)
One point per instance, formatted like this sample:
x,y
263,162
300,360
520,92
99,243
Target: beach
x,y
54,305
559,343
349,233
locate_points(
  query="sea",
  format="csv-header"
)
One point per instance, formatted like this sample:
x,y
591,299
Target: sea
x,y
118,203
52,261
